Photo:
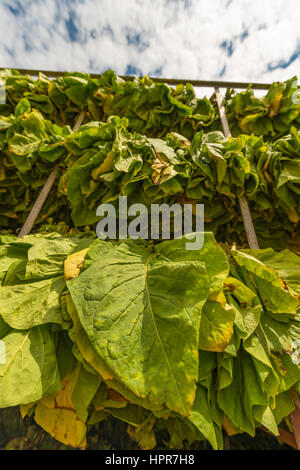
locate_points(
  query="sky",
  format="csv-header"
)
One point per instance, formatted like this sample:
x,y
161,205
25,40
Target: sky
x,y
238,40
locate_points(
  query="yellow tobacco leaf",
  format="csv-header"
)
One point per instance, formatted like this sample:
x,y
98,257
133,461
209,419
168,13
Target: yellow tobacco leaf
x,y
275,104
292,214
73,264
162,170
62,424
229,428
216,326
49,401
268,177
56,414
63,398
217,296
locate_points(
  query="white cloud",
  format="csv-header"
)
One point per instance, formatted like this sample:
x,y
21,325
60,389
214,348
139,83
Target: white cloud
x,y
174,38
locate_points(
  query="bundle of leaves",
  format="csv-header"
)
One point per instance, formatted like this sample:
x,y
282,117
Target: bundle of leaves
x,y
102,161
270,116
106,161
168,340
29,144
59,100
152,108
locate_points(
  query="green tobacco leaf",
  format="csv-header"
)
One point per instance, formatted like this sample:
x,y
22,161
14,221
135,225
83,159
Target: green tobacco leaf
x,y
255,401
26,305
201,417
211,254
152,323
269,379
290,372
131,414
84,388
279,336
11,254
4,328
64,354
39,259
286,263
85,353
30,371
283,407
46,257
275,297
22,107
243,400
230,398
247,316
207,363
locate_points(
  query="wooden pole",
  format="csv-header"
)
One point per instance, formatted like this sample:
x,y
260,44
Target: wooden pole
x,y
79,121
248,223
42,197
36,209
245,211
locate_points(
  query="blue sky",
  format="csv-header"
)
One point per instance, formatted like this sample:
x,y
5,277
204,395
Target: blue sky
x,y
245,40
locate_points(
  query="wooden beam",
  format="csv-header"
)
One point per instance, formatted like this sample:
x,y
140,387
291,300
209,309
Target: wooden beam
x,y
169,81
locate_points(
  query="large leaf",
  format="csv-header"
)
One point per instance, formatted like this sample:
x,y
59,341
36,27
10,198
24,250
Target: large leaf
x,y
26,305
285,262
30,370
153,323
85,353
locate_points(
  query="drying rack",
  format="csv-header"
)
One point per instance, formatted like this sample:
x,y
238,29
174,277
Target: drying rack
x,y
285,436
